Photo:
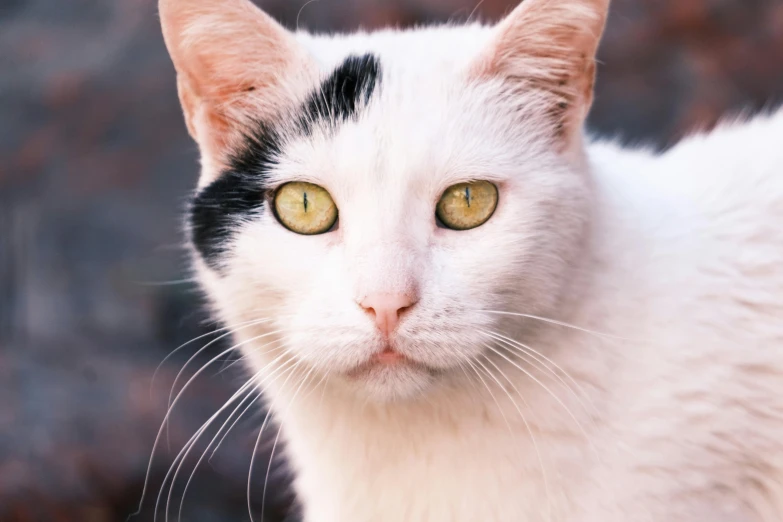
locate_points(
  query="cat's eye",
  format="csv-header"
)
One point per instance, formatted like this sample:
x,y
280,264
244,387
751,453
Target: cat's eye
x,y
467,205
305,208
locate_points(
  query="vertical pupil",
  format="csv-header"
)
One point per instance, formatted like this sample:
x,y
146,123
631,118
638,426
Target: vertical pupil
x,y
467,195
305,201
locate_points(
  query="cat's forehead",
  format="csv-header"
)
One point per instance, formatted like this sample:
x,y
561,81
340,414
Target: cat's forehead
x,y
408,112
429,50
404,138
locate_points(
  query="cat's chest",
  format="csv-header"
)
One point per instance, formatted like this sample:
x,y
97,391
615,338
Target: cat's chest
x,y
477,469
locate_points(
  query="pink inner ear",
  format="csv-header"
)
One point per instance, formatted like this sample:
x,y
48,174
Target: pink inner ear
x,y
233,61
546,49
546,42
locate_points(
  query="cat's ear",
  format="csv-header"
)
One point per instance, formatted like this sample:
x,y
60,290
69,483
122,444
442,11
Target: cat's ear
x,y
548,48
234,63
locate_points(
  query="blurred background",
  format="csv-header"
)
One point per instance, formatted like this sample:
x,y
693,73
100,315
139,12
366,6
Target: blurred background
x,y
95,167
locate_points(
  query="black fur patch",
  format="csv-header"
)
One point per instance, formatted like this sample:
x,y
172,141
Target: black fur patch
x,y
343,93
238,193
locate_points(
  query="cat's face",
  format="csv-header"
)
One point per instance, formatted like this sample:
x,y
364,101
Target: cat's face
x,y
369,281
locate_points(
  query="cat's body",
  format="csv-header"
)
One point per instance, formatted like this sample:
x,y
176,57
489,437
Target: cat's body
x,y
682,418
648,386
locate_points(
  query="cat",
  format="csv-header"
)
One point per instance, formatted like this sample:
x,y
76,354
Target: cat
x,y
458,305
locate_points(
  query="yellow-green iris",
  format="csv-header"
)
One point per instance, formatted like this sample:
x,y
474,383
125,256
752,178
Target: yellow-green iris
x,y
467,205
305,208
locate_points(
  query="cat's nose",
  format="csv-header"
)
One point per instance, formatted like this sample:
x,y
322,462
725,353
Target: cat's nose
x,y
387,309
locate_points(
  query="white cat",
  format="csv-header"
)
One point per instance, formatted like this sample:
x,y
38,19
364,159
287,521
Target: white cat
x,y
461,311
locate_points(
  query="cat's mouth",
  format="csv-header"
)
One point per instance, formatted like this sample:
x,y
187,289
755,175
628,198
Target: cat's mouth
x,y
388,356
391,372
388,360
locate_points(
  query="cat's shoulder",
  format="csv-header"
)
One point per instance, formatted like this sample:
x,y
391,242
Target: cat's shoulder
x,y
746,144
716,194
739,160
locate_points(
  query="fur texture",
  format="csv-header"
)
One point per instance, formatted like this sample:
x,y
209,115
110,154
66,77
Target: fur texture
x,y
608,347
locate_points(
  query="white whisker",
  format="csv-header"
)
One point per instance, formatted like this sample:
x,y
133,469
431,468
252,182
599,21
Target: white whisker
x,y
258,393
184,452
475,10
544,475
174,403
258,440
540,361
277,437
181,346
558,323
544,386
213,341
494,399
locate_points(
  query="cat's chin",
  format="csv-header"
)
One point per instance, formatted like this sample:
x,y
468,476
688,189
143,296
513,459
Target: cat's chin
x,y
387,381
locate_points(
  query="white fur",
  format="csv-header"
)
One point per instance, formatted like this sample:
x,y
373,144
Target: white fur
x,y
670,408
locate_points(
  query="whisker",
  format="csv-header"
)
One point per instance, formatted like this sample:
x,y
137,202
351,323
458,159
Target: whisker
x,y
198,352
277,437
300,12
172,282
467,376
540,459
323,389
258,394
526,353
166,418
475,10
559,323
315,387
589,441
253,455
175,350
258,440
241,358
179,461
184,452
213,341
544,386
494,399
231,330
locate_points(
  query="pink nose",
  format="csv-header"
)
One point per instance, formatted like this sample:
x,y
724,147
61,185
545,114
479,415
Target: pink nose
x,y
387,308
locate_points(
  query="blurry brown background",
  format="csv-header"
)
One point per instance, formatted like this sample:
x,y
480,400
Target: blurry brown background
x,y
95,166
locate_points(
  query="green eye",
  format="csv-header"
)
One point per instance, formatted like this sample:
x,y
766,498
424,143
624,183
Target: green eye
x,y
305,208
467,205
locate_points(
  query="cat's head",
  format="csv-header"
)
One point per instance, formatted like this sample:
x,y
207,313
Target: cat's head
x,y
372,200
